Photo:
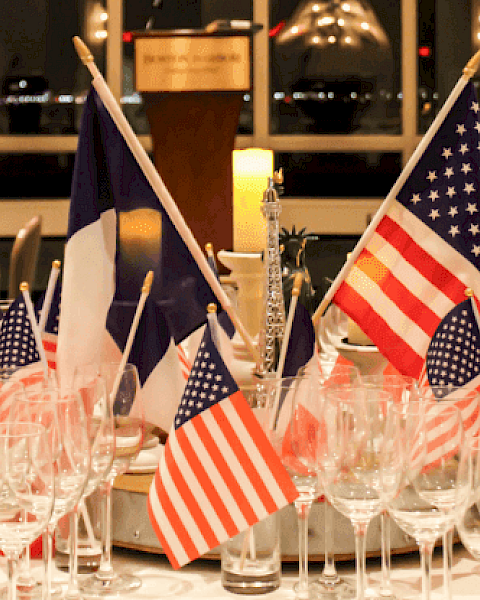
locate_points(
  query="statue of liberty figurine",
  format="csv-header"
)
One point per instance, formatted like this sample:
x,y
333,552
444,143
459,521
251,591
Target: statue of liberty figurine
x,y
292,254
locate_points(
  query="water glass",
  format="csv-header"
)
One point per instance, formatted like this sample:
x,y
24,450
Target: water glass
x,y
251,561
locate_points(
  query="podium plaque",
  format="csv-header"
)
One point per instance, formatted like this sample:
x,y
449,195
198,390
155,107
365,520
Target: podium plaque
x,y
193,83
192,64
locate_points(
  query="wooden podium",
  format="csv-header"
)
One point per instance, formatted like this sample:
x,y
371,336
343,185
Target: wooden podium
x,y
192,83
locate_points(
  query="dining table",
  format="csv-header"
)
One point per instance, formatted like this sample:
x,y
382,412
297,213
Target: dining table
x,y
202,577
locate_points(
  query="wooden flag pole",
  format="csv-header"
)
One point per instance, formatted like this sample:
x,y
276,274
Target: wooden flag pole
x,y
468,72
147,284
47,303
210,253
35,328
297,286
212,321
160,189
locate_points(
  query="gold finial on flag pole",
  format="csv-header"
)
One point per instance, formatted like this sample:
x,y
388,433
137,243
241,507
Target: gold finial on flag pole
x,y
147,283
472,66
468,292
82,50
212,308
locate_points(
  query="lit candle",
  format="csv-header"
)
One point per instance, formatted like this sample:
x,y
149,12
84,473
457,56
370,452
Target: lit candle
x,y
251,169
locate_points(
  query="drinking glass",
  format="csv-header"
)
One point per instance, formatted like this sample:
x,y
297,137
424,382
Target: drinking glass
x,y
278,406
63,415
123,388
26,490
436,483
402,388
329,581
101,436
360,459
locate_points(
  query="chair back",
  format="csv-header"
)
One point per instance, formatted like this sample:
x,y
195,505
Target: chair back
x,y
24,256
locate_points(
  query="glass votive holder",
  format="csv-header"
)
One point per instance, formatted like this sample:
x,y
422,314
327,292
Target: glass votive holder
x,y
251,561
89,549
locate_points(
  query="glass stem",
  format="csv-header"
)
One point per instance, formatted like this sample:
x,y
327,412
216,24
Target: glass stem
x,y
303,508
426,551
447,563
360,530
386,586
329,573
47,549
105,571
25,577
73,591
12,578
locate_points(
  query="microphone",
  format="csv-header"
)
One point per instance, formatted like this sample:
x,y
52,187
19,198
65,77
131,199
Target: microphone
x,y
151,20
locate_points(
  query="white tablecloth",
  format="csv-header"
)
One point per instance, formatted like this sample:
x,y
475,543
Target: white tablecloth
x,y
201,579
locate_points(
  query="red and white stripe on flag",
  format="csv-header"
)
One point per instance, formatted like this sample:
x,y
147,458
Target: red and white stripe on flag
x,y
50,346
469,404
400,290
31,377
185,364
218,476
443,436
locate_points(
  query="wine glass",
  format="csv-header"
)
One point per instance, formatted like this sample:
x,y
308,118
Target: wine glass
x,y
402,388
436,482
329,580
123,388
100,429
468,402
360,458
14,379
63,415
26,490
277,403
9,385
468,523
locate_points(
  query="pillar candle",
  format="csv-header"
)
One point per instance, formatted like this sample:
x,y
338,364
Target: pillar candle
x,y
251,169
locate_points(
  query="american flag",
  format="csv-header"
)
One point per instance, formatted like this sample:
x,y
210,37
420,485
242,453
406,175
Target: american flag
x,y
18,350
424,253
17,342
453,356
219,474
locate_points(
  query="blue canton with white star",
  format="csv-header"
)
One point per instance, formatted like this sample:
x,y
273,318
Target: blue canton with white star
x,y
209,382
443,189
453,357
18,347
17,342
